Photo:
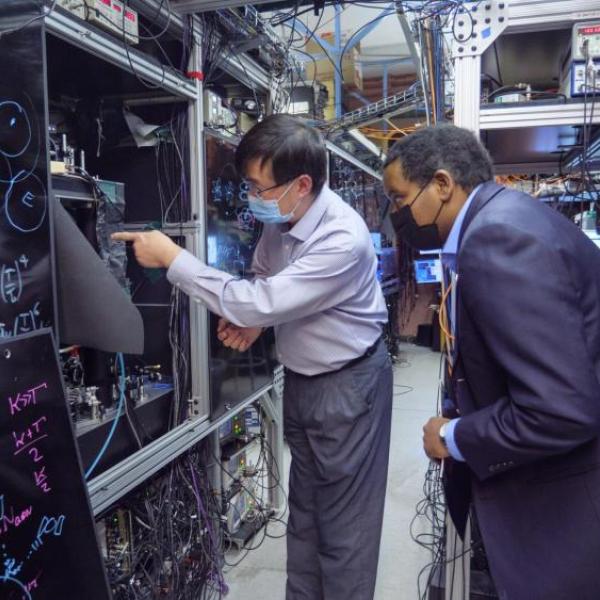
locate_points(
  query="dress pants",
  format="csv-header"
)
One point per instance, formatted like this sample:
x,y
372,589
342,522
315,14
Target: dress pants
x,y
338,428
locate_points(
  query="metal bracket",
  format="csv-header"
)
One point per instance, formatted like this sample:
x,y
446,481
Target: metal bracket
x,y
477,27
347,156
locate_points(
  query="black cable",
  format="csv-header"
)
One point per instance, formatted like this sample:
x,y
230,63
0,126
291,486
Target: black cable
x,y
351,38
499,73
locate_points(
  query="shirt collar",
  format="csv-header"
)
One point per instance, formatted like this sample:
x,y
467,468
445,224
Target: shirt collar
x,y
451,245
308,223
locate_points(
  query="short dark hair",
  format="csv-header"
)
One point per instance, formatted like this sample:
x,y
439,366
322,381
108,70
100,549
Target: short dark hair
x,y
443,146
293,147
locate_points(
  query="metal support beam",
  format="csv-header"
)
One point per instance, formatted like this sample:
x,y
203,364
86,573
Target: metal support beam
x,y
160,13
198,6
540,15
360,97
532,114
386,12
385,89
245,69
272,406
415,51
527,168
199,340
111,49
467,86
351,159
338,76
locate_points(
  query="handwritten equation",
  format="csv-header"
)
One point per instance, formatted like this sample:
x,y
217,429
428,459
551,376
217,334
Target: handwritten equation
x,y
28,440
25,322
12,584
11,280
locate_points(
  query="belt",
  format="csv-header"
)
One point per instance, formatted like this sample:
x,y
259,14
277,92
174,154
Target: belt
x,y
355,361
368,352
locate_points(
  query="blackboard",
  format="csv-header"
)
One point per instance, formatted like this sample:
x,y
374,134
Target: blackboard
x,y
26,283
47,533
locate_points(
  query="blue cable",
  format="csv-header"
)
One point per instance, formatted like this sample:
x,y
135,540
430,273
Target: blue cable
x,y
116,419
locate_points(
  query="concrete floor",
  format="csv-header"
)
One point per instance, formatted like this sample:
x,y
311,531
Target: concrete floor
x,y
261,574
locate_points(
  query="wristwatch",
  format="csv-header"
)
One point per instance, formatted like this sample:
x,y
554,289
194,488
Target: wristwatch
x,y
443,434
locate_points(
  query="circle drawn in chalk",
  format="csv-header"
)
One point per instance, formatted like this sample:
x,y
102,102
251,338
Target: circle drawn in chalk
x,y
12,589
6,175
26,204
15,129
7,353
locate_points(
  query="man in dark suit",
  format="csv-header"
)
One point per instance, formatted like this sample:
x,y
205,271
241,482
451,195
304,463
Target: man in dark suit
x,y
524,367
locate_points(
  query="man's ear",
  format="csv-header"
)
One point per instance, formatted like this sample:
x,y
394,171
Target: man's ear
x,y
305,185
445,184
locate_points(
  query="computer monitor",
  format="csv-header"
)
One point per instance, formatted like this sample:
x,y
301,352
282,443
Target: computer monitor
x,y
376,239
428,271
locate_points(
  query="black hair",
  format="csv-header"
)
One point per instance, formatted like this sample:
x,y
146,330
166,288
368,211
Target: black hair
x,y
443,146
293,147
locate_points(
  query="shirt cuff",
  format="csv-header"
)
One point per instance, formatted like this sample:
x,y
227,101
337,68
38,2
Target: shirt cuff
x,y
455,453
185,266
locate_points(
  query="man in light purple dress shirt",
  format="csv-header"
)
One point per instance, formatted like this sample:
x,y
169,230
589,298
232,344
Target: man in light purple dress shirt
x,y
315,283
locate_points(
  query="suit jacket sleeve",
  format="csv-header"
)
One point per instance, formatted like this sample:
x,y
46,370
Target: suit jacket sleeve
x,y
519,293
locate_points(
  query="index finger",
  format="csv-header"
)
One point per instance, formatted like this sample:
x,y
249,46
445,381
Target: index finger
x,y
125,236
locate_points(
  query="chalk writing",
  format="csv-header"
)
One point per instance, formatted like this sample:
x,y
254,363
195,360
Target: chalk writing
x,y
49,526
41,478
25,202
10,586
15,129
13,588
11,280
30,438
24,322
33,584
25,399
9,519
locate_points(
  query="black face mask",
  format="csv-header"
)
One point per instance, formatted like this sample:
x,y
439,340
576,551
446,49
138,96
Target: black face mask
x,y
420,237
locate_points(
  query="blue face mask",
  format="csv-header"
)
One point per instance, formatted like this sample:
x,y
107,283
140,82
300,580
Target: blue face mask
x,y
268,211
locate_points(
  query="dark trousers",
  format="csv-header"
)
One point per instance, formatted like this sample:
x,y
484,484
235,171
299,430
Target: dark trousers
x,y
338,429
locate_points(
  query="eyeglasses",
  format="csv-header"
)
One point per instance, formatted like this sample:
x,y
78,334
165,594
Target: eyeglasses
x,y
253,189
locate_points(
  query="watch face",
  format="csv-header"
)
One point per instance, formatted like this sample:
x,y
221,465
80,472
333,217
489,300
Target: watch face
x,y
443,432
